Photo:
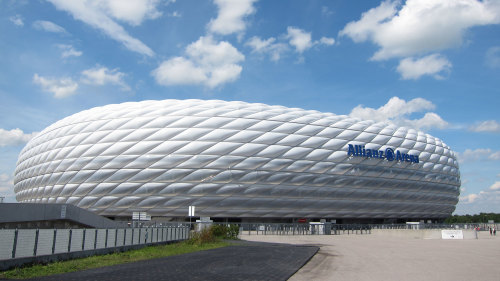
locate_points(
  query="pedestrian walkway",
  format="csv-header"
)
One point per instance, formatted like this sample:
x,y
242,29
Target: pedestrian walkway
x,y
241,261
386,258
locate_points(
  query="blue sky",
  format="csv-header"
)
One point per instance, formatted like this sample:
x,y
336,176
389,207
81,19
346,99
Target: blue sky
x,y
429,64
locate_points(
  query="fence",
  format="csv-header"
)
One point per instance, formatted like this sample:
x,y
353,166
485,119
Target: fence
x,y
32,243
302,229
345,229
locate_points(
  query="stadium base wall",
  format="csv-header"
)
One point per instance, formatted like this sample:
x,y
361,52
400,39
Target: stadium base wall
x,y
419,233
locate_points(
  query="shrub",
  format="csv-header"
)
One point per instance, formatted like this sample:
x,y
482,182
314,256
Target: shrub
x,y
225,231
213,233
201,237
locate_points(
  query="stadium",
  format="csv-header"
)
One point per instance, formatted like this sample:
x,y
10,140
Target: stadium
x,y
238,161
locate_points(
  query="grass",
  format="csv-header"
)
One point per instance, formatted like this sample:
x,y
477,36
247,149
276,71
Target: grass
x,y
110,259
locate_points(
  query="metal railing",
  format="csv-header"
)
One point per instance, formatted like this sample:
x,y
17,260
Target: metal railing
x,y
302,229
22,243
345,229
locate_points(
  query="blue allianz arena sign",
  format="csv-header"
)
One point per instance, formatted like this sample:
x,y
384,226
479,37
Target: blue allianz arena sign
x,y
389,154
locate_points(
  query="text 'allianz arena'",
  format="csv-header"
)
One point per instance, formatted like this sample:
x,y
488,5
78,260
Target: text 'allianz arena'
x,y
237,160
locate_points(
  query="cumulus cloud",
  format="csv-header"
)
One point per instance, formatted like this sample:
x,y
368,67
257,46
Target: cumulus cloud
x,y
487,197
470,198
102,76
297,38
48,26
430,120
397,111
268,46
68,51
206,62
132,12
230,18
17,20
480,154
327,41
61,88
420,26
433,65
491,126
495,186
104,14
14,137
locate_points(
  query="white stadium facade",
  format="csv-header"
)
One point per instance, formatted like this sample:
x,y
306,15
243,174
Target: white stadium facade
x,y
238,161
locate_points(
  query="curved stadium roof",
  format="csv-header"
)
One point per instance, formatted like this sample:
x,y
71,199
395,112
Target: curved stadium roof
x,y
235,159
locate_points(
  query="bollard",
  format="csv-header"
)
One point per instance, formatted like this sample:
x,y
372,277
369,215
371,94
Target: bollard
x,y
54,241
15,244
69,240
36,242
83,239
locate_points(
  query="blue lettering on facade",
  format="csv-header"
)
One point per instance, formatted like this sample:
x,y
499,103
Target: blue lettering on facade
x,y
389,154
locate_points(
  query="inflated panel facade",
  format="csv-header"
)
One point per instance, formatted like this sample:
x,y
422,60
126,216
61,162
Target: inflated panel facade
x,y
236,159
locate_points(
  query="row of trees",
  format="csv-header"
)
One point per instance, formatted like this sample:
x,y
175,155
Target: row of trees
x,y
480,218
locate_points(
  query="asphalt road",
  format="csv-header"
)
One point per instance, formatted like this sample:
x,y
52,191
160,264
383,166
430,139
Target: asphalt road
x,y
242,261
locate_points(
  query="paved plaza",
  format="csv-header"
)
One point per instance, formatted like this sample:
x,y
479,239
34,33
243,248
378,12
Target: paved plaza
x,y
381,257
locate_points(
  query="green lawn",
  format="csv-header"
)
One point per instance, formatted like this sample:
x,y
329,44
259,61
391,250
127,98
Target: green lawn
x,y
110,259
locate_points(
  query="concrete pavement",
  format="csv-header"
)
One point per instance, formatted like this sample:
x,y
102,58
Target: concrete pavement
x,y
379,257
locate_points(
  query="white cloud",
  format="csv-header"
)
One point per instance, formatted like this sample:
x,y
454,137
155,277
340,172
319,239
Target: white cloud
x,y
102,75
327,41
488,198
470,198
14,137
61,88
480,154
397,111
495,186
207,62
420,26
68,51
492,57
395,107
268,46
134,12
432,65
230,17
48,26
430,120
179,71
299,39
17,20
102,15
486,126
